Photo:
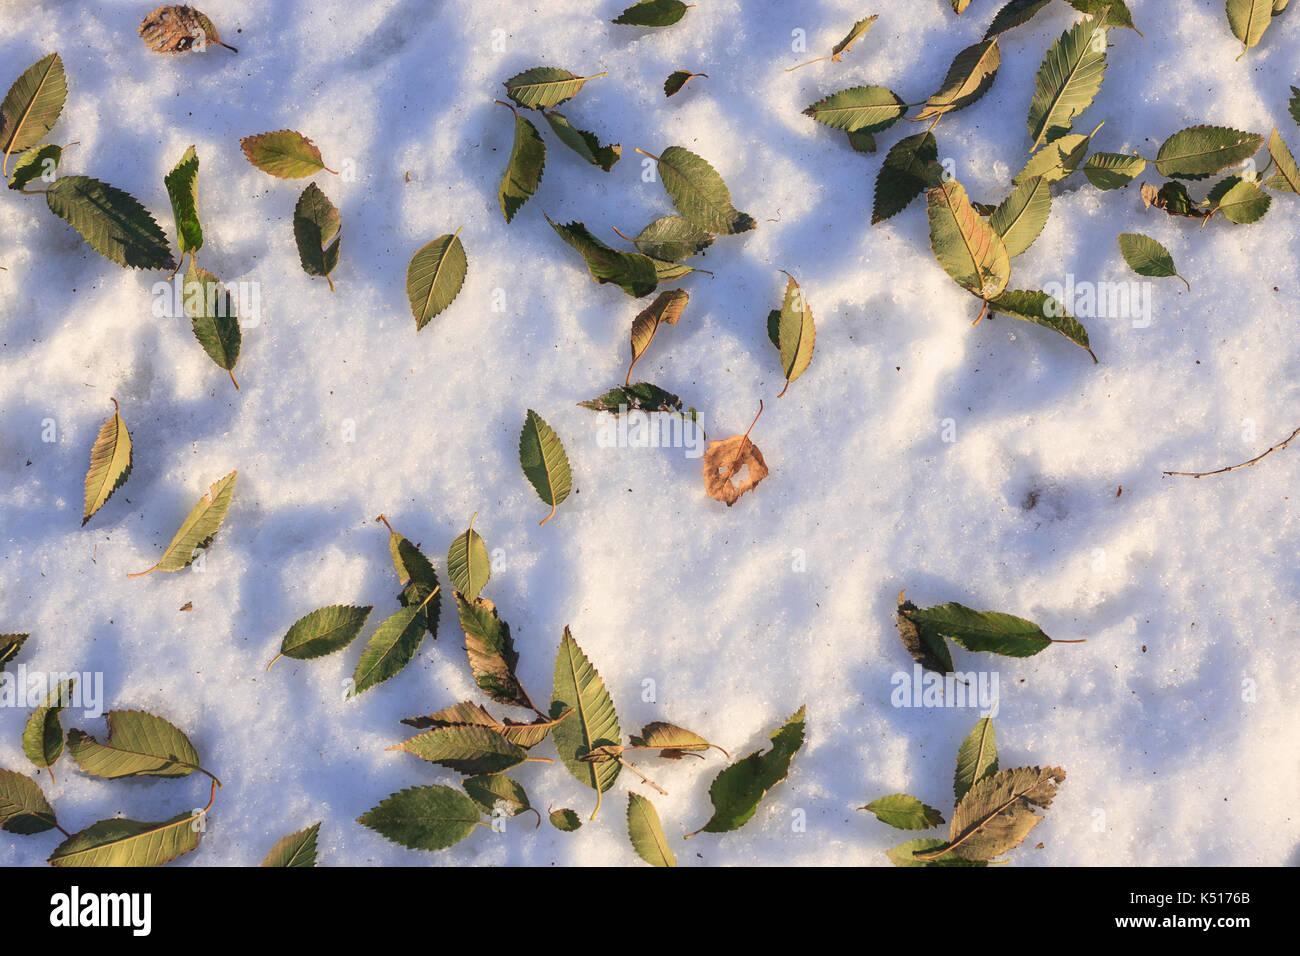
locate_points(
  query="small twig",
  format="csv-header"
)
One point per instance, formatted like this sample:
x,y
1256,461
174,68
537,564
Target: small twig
x,y
1244,464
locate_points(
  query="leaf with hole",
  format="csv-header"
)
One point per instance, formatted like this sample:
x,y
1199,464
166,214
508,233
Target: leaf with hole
x,y
177,29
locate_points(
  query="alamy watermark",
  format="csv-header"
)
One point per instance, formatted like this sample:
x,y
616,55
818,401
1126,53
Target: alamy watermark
x,y
29,689
638,429
922,688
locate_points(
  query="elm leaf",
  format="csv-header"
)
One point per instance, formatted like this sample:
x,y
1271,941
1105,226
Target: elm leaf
x,y
211,310
295,850
738,789
423,818
1013,14
390,648
699,193
496,793
977,757
972,254
653,13
1147,257
991,631
678,79
969,77
10,645
647,833
632,272
183,190
1020,218
583,143
323,631
120,842
1248,20
1243,202
1113,170
904,174
868,109
467,713
640,396
111,221
544,462
284,153
926,646
906,854
1201,151
32,106
667,307
43,735
435,276
524,169
796,332
316,230
566,820
491,650
110,463
198,529
904,812
467,563
543,87
139,744
593,724
467,749
1044,310
671,239
23,807
997,813
39,162
1068,80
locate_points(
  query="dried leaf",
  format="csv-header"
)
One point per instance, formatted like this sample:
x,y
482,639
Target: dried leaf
x,y
199,527
177,29
1173,199
285,153
435,276
925,645
733,466
467,713
491,650
110,463
671,741
969,77
641,397
860,29
997,813
667,307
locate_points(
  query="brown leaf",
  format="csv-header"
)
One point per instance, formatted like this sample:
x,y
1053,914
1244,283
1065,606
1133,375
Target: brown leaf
x,y
734,465
468,713
667,307
176,29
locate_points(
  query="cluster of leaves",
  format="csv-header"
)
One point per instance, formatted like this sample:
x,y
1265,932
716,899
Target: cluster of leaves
x,y
139,744
995,809
581,722
925,632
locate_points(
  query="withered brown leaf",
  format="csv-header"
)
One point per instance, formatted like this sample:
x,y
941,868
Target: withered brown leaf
x,y
733,466
176,29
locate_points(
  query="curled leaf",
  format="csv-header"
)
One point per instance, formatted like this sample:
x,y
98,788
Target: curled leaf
x,y
316,230
178,29
110,463
667,307
524,169
199,527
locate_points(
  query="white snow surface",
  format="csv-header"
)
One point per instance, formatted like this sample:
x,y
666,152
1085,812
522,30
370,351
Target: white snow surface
x,y
1176,720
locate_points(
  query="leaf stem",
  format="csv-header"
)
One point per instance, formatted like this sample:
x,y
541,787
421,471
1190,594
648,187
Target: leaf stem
x,y
809,63
644,153
552,514
273,660
231,373
140,574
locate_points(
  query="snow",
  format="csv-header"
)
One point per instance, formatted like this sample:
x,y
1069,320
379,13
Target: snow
x,y
1169,720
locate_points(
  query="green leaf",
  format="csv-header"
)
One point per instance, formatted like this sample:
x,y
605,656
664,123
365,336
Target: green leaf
x,y
467,749
121,842
495,792
323,631
23,807
630,271
977,757
926,646
642,397
860,29
285,153
737,790
10,644
113,223
795,333
1044,310
1022,215
667,307
390,648
1293,105
904,812
423,818
672,271
543,87
969,77
316,229
868,109
1147,257
139,744
1068,80
1013,14
545,465
678,79
652,13
417,576
904,174
491,650
965,245
997,813
296,849
1113,170
646,833
1287,170
211,310
183,190
594,723
1243,202
671,239
860,141
566,820
1201,151
699,193
1057,160
110,463
905,854
1117,11
583,143
199,527
467,563
43,735
524,170
990,631
39,162
434,277
1248,20
32,106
